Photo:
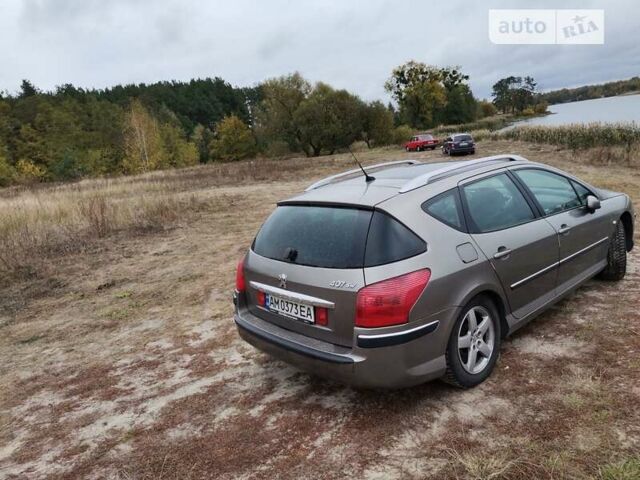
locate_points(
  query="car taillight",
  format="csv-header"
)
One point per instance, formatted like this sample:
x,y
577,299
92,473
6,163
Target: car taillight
x,y
240,285
261,298
322,316
388,302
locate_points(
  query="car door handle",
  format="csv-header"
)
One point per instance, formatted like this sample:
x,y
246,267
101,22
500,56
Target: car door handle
x,y
564,228
503,252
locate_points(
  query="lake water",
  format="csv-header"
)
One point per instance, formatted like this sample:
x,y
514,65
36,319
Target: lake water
x,y
623,109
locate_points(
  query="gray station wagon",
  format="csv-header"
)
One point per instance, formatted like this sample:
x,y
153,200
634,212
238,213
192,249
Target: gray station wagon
x,y
418,270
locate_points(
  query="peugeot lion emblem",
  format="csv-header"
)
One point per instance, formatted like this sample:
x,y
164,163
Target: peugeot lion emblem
x,y
283,280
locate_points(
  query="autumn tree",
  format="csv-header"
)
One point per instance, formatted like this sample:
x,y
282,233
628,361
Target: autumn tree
x,y
419,92
233,140
143,149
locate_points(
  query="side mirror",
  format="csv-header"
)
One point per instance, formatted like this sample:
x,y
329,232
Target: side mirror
x,y
593,203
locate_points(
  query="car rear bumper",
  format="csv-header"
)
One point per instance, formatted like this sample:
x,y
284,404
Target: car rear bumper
x,y
376,360
462,149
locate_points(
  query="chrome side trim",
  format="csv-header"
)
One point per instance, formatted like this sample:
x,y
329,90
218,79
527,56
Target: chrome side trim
x,y
293,296
534,275
368,169
426,178
585,249
556,264
397,334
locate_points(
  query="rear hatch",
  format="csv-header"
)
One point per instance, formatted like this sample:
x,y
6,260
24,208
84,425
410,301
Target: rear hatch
x,y
312,257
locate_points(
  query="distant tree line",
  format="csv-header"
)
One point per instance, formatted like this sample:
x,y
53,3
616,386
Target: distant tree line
x,y
587,92
72,132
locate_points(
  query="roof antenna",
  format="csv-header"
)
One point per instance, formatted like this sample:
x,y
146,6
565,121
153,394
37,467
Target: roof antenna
x,y
367,178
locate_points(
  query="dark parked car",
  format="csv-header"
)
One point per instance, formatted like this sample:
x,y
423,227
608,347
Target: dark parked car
x,y
419,270
421,142
458,143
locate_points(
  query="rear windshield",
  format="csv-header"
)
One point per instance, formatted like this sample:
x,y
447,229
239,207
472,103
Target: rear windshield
x,y
333,237
463,138
426,137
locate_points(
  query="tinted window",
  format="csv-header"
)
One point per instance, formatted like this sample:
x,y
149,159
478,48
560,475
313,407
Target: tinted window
x,y
463,138
390,241
553,192
317,236
582,192
446,208
495,203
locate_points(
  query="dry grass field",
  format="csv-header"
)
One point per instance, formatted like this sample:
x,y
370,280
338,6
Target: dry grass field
x,y
119,356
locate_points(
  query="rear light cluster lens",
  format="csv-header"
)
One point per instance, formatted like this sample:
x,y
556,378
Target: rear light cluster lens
x,y
389,302
322,316
261,298
240,284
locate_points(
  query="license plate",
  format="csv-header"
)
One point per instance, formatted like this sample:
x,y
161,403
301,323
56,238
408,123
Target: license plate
x,y
463,144
298,311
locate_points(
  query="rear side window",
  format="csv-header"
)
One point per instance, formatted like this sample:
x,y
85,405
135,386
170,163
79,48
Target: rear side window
x,y
495,203
316,236
553,192
333,237
446,208
390,241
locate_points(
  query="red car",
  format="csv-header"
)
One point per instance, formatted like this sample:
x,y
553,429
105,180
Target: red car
x,y
421,142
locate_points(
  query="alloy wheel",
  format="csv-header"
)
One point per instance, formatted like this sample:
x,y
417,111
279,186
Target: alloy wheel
x,y
476,340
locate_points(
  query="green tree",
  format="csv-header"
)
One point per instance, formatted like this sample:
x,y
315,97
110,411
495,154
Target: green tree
x,y
377,124
514,94
281,98
233,140
178,150
461,107
327,120
201,138
27,89
7,171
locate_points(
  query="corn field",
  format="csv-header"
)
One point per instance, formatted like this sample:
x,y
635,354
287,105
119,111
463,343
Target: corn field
x,y
577,136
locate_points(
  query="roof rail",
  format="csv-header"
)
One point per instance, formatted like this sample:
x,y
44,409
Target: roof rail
x,y
429,177
333,178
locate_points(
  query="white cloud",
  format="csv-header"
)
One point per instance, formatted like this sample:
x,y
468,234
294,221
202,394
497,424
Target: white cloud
x,y
350,44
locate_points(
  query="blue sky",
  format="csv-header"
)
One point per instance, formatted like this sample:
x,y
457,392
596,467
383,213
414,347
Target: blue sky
x,y
349,44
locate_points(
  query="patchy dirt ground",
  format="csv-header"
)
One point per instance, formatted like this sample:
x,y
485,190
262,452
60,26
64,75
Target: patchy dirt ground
x,y
123,362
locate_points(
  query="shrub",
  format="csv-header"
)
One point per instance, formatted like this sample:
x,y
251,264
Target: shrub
x,y
487,109
541,108
7,172
29,172
402,134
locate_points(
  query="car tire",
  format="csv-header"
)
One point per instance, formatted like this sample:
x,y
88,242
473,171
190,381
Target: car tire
x,y
616,256
464,371
473,152
433,148
407,149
